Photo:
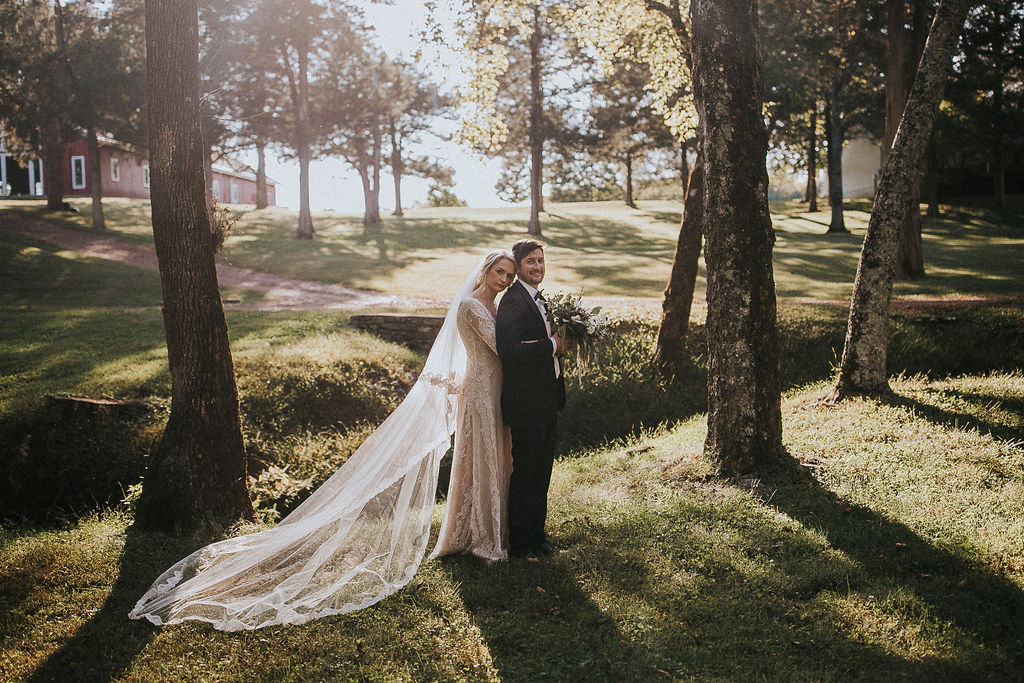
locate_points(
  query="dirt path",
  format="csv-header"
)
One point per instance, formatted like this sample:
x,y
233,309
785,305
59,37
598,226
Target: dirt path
x,y
285,293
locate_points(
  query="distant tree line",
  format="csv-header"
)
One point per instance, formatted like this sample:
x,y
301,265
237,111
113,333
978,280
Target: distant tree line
x,y
299,78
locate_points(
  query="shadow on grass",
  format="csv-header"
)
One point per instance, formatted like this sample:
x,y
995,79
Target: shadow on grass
x,y
920,584
963,420
539,625
103,648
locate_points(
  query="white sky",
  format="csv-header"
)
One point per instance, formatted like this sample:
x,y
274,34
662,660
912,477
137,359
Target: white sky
x,y
334,185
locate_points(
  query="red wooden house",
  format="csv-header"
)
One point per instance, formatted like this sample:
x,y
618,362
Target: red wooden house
x,y
125,173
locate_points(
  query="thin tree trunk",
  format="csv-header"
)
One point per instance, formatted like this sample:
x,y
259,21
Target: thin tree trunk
x,y
536,134
675,308
95,179
196,476
53,164
305,228
744,401
261,174
371,185
911,257
628,164
397,168
812,162
834,133
931,179
999,148
862,369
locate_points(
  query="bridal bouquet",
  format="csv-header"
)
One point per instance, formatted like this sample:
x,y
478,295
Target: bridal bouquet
x,y
568,317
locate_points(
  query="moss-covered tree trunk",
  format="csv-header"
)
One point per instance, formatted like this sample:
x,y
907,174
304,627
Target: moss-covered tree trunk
x,y
862,369
196,476
744,404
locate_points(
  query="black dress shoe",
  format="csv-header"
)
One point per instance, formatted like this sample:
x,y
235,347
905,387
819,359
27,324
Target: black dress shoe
x,y
546,548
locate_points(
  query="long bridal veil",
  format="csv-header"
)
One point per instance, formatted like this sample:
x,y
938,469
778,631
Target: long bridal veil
x,y
357,539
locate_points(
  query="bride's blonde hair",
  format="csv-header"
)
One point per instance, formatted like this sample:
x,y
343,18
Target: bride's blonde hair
x,y
489,262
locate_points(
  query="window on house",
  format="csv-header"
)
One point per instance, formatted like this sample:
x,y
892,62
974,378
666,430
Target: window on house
x,y
215,188
145,175
115,169
234,192
78,173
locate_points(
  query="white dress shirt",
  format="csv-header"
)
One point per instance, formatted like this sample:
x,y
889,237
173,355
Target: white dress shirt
x,y
532,291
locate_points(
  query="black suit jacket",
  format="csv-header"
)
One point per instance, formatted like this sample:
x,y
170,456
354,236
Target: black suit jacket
x,y
530,391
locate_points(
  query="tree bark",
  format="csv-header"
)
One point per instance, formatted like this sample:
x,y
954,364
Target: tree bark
x,y
95,179
862,369
305,228
834,158
675,309
812,162
744,402
536,133
196,477
261,174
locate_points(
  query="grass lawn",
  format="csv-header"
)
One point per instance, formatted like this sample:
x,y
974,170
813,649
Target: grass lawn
x,y
900,555
606,248
896,553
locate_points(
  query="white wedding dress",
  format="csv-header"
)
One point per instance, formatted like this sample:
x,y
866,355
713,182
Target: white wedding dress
x,y
476,516
363,533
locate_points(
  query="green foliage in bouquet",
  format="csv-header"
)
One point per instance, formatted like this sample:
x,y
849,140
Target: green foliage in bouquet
x,y
570,318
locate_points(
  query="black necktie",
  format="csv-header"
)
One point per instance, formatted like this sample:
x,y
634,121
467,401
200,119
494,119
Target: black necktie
x,y
538,296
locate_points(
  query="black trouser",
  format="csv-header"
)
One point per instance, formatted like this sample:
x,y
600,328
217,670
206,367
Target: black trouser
x,y
533,454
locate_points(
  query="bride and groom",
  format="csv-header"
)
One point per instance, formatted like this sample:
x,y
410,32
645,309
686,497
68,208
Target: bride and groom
x,y
492,378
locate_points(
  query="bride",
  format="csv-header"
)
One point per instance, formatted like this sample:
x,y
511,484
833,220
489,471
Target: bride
x,y
362,534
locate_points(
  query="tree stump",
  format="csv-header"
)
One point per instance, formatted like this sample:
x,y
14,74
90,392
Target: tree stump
x,y
98,411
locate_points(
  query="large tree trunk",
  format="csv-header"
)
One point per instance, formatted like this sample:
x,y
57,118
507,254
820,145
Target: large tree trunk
x,y
834,133
536,133
675,309
53,164
862,369
261,174
397,168
95,180
196,476
744,402
305,228
812,162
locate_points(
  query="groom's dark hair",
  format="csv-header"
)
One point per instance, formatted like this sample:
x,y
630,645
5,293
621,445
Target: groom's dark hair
x,y
523,247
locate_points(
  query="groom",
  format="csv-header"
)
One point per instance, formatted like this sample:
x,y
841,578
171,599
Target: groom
x,y
533,390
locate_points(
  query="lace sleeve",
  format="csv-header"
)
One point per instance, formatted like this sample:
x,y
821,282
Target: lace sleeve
x,y
481,321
